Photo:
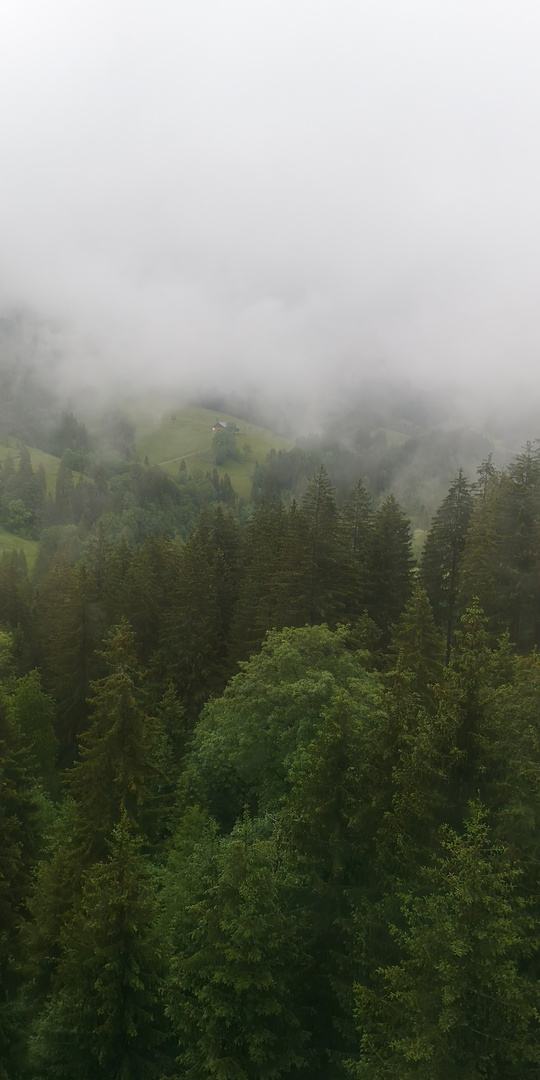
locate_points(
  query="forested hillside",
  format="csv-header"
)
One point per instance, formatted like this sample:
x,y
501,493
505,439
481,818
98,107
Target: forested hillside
x,y
269,790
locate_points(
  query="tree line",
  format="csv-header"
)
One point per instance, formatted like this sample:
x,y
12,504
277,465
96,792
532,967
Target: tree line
x,y
269,797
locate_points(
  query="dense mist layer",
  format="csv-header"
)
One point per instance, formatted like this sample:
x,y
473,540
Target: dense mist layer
x,y
275,200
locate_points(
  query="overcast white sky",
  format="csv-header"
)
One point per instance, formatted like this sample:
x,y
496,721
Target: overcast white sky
x,y
302,188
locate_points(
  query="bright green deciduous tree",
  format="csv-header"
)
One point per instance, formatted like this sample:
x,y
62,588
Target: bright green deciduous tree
x,y
245,740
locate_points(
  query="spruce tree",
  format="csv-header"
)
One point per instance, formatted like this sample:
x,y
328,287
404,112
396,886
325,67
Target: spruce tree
x,y
443,553
521,532
122,771
355,522
355,525
417,647
486,473
63,499
258,607
146,594
457,1004
192,650
483,573
16,604
388,567
70,623
33,713
235,991
323,570
23,820
473,738
114,772
104,1018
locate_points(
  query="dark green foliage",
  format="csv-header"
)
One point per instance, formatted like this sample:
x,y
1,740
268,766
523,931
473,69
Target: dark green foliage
x,y
457,1005
482,572
22,496
32,712
418,649
69,434
122,774
261,584
319,517
15,600
104,1018
443,552
355,523
475,751
285,473
235,991
138,586
115,771
244,740
225,448
486,473
293,738
70,623
343,837
355,526
388,566
22,822
501,560
64,493
194,643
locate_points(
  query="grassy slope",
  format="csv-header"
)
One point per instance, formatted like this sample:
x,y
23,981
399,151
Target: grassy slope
x,y
10,446
166,441
10,542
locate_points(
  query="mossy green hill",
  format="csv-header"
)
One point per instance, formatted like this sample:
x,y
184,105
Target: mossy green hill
x,y
10,542
185,433
11,447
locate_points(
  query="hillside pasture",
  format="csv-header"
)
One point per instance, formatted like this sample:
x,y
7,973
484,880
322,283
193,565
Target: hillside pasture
x,y
10,447
9,542
186,434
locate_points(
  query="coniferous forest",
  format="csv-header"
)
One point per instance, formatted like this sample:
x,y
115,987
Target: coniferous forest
x,y
269,786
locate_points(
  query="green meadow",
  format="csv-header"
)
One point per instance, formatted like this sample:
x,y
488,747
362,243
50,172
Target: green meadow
x,y
10,542
9,447
186,433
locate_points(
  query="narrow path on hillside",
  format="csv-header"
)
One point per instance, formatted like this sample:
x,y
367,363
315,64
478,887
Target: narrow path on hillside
x,y
192,453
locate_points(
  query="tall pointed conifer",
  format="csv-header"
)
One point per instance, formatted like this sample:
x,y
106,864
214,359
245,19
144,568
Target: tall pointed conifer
x,y
388,568
443,553
114,772
104,1017
319,518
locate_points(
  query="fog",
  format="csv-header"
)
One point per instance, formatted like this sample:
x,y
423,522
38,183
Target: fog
x,y
286,197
